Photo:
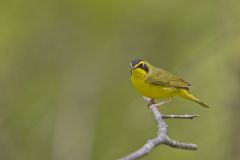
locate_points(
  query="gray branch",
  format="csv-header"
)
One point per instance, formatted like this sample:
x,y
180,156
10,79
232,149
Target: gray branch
x,y
186,116
162,137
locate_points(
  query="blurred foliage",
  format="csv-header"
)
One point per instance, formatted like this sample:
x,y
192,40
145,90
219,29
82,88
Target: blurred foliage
x,y
65,89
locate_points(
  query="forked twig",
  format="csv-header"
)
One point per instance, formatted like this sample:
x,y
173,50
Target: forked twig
x,y
162,137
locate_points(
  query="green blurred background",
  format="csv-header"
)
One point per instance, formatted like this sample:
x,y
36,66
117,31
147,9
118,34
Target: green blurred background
x,y
64,78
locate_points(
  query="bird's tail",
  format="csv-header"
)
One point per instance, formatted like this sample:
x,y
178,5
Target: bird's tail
x,y
186,94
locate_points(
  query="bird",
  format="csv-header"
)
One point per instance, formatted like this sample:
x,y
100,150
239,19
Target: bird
x,y
155,83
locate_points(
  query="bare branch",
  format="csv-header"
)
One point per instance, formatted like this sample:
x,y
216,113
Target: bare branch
x,y
186,116
162,137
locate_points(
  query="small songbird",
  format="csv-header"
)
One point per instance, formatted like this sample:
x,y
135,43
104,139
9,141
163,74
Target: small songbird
x,y
156,83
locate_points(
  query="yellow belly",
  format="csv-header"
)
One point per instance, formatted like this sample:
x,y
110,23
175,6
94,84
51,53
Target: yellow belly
x,y
153,91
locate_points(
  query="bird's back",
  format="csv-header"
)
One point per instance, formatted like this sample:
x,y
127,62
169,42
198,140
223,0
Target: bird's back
x,y
158,76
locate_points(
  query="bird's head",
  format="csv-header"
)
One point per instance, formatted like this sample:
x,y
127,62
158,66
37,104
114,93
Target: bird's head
x,y
139,67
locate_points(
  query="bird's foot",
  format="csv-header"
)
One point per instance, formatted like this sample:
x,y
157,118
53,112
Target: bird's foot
x,y
151,102
162,102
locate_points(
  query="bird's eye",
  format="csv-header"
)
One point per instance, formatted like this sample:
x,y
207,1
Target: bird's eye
x,y
144,67
140,65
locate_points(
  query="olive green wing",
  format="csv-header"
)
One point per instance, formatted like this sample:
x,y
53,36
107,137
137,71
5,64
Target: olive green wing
x,y
162,77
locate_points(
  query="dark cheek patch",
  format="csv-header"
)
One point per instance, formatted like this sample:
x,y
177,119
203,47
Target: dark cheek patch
x,y
145,68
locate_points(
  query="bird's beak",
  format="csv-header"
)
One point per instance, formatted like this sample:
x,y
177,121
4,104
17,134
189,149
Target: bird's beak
x,y
131,68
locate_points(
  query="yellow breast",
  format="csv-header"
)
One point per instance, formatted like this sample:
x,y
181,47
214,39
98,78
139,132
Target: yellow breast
x,y
150,90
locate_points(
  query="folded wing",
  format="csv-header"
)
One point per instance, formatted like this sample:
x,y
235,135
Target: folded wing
x,y
162,77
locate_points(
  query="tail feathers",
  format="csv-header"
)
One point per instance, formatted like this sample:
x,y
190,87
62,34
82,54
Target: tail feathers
x,y
191,97
201,103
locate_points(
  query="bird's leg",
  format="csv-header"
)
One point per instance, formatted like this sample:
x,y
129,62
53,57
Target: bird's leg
x,y
151,102
147,100
162,102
